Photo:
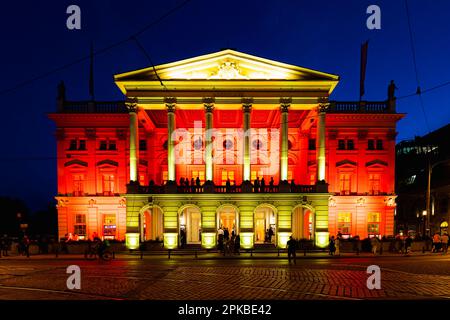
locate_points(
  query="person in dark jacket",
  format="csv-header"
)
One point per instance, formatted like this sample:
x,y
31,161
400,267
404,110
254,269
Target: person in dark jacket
x,y
291,247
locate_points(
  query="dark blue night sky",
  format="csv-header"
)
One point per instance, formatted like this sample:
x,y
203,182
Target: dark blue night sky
x,y
322,35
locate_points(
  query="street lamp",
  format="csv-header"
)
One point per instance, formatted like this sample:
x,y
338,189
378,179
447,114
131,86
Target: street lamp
x,y
430,171
425,220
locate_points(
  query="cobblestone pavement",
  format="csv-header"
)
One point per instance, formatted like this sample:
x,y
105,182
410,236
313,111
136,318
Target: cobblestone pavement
x,y
421,277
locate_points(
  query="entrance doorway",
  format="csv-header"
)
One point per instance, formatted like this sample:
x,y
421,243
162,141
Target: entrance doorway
x,y
227,219
302,223
191,225
265,225
152,224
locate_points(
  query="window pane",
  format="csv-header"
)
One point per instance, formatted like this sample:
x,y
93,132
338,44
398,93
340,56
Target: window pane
x,y
379,144
82,145
312,144
350,145
341,144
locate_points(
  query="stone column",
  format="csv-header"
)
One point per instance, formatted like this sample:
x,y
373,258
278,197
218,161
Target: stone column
x,y
321,164
208,104
170,105
285,103
132,107
247,107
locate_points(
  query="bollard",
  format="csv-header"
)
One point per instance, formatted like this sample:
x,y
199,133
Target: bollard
x,y
423,249
278,252
304,252
251,253
195,254
169,252
114,255
142,254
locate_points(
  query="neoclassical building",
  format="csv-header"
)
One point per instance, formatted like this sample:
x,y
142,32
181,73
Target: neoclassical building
x,y
225,140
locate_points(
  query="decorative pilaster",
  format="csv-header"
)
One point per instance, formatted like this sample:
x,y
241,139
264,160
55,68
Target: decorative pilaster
x,y
208,104
132,108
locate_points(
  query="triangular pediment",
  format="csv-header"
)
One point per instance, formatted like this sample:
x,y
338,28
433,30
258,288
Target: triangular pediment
x,y
226,65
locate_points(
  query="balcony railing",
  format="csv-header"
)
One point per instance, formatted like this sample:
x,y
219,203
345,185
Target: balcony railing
x,y
361,107
93,107
161,189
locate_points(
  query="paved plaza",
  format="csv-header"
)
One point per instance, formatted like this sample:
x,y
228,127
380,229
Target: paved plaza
x,y
186,278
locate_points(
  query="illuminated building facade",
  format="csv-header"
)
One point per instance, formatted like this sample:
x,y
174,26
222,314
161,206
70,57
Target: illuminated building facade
x,y
190,146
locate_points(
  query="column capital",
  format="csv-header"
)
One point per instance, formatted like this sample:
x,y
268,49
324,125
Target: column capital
x,y
247,103
170,103
285,103
131,104
324,104
208,103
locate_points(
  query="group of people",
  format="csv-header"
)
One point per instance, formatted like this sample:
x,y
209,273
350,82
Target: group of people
x,y
440,243
5,244
190,185
226,244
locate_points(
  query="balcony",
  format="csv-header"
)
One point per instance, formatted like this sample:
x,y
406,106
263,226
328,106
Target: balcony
x,y
361,107
92,107
162,189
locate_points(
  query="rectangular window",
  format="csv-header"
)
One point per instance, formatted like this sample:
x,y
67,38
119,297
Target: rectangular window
x,y
227,175
344,222
165,176
350,145
200,175
379,144
112,145
78,185
256,174
341,144
82,145
370,144
374,183
143,145
109,226
73,145
345,183
79,227
312,179
312,144
103,145
373,223
108,184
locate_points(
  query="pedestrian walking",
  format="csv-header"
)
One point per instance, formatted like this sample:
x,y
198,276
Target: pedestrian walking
x,y
292,246
444,242
375,242
237,244
408,245
337,245
331,246
436,242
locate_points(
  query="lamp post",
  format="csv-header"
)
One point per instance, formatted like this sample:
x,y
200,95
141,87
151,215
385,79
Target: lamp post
x,y
428,195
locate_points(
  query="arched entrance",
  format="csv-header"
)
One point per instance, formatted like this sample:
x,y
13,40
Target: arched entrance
x,y
191,224
227,218
152,224
265,224
302,223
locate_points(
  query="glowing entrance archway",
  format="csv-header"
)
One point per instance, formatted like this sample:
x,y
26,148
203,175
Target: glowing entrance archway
x,y
303,223
190,222
152,223
228,218
264,221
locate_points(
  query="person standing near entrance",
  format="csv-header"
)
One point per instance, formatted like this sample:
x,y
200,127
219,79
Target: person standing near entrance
x,y
220,239
270,235
292,246
337,245
226,234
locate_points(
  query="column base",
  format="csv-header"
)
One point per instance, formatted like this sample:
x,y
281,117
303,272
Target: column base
x,y
208,187
170,187
284,186
247,187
